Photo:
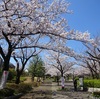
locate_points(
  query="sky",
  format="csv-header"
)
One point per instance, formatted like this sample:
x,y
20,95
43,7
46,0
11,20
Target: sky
x,y
85,17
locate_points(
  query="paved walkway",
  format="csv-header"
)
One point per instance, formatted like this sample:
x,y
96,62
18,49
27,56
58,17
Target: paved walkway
x,y
51,91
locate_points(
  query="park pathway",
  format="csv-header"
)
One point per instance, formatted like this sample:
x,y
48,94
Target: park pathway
x,y
50,90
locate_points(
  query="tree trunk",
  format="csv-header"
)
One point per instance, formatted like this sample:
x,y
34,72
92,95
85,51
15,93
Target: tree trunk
x,y
4,79
6,58
18,77
96,75
4,73
62,80
6,65
92,74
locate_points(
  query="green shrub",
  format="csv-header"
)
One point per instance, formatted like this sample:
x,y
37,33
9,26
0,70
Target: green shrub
x,y
6,92
12,74
20,88
13,86
22,79
12,89
23,87
92,83
96,94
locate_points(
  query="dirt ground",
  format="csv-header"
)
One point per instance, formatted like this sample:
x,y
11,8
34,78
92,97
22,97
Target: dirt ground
x,y
50,90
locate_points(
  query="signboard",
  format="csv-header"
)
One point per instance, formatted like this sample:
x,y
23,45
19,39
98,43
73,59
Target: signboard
x,y
81,82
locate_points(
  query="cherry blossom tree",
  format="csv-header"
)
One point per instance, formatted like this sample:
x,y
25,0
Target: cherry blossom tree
x,y
93,62
22,57
94,51
61,62
91,58
39,23
80,71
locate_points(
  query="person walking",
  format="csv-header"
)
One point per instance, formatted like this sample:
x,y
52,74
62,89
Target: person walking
x,y
75,84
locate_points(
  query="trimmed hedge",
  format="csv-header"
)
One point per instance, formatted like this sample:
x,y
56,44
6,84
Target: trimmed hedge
x,y
92,83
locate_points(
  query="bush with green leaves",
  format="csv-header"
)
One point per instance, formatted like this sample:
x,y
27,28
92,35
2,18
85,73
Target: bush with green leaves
x,y
20,88
22,79
6,92
92,83
23,87
13,89
96,94
36,67
12,74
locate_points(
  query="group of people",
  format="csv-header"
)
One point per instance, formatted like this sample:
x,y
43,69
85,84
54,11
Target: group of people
x,y
76,82
80,84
